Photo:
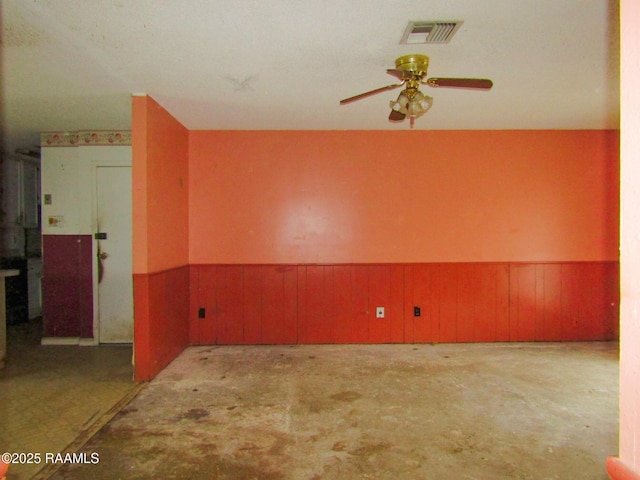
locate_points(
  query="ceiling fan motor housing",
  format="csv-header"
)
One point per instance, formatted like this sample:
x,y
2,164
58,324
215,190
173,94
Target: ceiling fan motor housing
x,y
414,63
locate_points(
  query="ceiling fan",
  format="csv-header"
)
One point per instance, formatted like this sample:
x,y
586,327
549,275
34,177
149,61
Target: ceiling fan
x,y
411,70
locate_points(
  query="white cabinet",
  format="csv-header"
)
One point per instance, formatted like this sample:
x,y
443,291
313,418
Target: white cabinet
x,y
11,191
20,201
30,194
20,192
34,276
20,233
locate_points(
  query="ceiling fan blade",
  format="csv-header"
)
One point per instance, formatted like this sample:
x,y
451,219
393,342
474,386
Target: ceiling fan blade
x,y
368,94
480,83
396,116
403,75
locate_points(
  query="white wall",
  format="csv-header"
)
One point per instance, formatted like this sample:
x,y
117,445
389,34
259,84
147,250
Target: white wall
x,y
630,238
67,179
61,204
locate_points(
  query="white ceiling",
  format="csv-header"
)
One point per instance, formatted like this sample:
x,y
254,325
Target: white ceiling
x,y
285,64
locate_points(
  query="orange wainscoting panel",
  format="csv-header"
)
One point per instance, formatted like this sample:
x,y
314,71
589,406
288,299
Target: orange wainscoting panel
x,y
457,302
161,319
337,303
246,304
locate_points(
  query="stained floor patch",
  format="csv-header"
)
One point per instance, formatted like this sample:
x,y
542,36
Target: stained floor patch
x,y
195,414
346,396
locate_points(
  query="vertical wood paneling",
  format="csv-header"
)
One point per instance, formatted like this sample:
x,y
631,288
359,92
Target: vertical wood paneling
x,y
523,302
386,286
141,329
333,304
513,303
487,304
446,300
252,306
607,300
343,301
228,312
194,321
410,297
466,298
594,310
611,288
360,305
312,310
539,321
206,288
220,294
340,302
303,313
290,310
430,324
502,302
459,303
572,302
331,308
552,304
161,324
379,296
279,305
421,291
472,302
396,303
168,297
588,308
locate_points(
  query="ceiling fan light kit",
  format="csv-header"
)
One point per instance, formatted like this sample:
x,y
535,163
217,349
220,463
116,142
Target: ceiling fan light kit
x,y
414,106
411,70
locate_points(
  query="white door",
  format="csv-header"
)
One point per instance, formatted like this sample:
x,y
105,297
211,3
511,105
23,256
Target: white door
x,y
113,241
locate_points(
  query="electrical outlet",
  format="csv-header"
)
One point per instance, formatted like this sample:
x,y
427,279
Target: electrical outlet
x,y
379,312
416,311
202,312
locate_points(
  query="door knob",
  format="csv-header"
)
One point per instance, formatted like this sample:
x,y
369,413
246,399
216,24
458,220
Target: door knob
x,y
102,255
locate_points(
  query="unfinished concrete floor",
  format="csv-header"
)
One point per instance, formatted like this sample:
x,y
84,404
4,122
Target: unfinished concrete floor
x,y
464,411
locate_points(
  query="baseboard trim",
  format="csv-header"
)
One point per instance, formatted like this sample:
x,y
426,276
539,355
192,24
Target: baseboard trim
x,y
60,341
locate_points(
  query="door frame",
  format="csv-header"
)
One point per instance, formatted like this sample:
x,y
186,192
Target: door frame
x,y
95,164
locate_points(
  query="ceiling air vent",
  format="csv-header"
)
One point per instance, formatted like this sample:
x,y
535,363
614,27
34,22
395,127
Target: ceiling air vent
x,y
429,32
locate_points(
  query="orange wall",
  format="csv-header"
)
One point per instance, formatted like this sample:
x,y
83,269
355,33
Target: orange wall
x,y
160,188
410,196
160,237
